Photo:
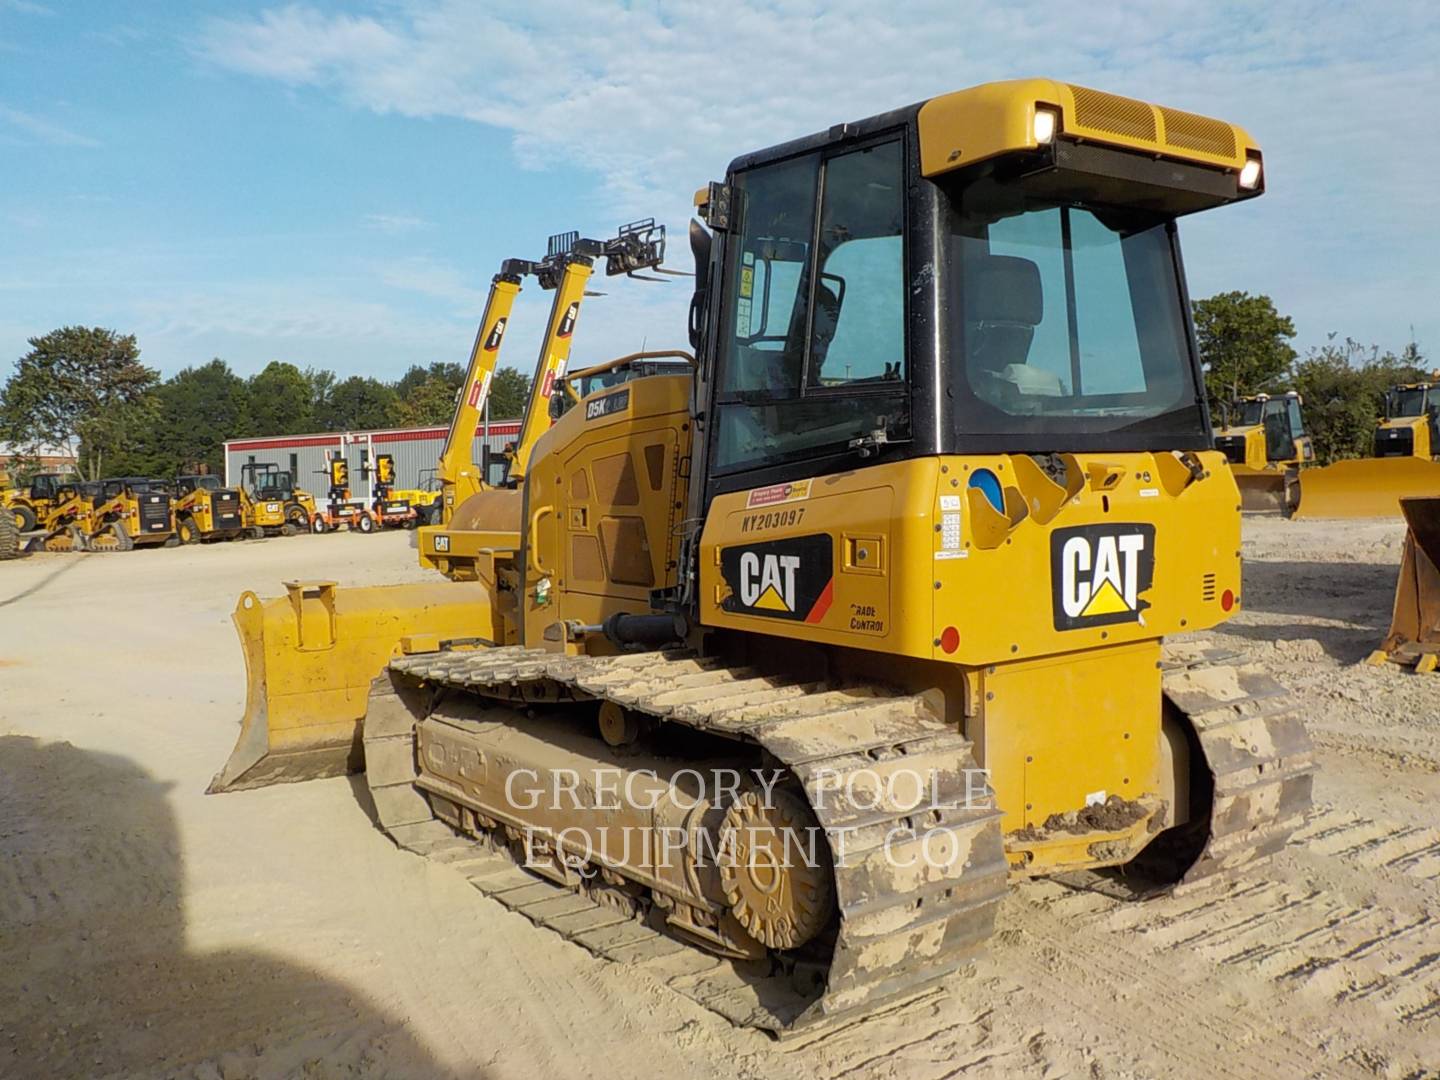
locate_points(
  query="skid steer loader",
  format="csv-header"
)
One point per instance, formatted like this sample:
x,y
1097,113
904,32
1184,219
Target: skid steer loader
x,y
206,510
1264,441
799,656
1403,464
131,512
67,519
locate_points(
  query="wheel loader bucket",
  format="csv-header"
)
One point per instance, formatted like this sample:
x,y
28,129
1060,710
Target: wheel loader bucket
x,y
310,657
1366,487
1414,636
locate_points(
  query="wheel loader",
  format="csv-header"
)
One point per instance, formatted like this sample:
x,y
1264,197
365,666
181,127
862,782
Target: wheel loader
x,y
206,510
9,538
28,505
425,498
1263,439
801,656
1403,463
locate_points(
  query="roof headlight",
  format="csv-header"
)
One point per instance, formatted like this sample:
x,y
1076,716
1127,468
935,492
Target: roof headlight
x,y
1044,126
1250,174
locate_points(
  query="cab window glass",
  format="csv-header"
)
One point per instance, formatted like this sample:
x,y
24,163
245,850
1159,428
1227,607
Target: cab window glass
x,y
858,335
784,354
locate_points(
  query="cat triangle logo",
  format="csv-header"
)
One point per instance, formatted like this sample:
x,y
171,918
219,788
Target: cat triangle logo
x,y
770,600
1101,574
1106,601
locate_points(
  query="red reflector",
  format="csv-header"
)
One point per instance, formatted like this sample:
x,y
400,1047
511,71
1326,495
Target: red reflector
x,y
1227,600
950,639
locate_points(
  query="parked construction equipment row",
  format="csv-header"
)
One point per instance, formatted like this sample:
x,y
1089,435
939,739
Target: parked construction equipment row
x,y
60,513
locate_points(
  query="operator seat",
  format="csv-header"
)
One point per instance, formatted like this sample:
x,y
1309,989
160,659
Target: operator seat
x,y
1003,305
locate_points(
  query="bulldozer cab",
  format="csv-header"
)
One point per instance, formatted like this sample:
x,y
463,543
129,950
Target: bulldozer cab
x,y
1411,427
883,290
1283,427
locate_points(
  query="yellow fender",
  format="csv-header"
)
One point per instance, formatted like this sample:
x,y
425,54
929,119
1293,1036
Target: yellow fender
x,y
1366,487
310,657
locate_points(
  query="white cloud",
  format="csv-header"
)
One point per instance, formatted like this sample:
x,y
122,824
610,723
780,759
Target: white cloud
x,y
654,99
46,132
26,7
395,223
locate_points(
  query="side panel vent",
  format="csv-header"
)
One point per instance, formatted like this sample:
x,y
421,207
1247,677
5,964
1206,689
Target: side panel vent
x,y
1207,588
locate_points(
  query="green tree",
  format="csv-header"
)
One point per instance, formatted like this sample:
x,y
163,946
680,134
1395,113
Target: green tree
x,y
509,391
1343,386
200,408
356,404
322,385
431,402
1245,342
280,401
450,374
134,437
78,384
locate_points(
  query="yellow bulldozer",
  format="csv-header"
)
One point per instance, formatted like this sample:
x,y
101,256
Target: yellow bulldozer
x,y
1403,464
798,655
1264,442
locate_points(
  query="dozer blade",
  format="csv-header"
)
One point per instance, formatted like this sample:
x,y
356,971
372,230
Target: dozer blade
x,y
1365,487
1414,636
310,657
1265,492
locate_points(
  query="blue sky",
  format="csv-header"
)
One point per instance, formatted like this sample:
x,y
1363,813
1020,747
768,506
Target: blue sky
x,y
334,185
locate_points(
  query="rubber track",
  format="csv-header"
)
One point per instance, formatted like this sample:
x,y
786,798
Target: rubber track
x,y
1258,752
901,929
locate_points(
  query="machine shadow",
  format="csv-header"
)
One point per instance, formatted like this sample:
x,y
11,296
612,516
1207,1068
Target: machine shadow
x,y
93,960
70,562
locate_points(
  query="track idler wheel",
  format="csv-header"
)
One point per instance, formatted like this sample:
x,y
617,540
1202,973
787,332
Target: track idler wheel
x,y
777,891
618,725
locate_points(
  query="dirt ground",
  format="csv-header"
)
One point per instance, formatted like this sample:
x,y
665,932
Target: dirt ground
x,y
149,929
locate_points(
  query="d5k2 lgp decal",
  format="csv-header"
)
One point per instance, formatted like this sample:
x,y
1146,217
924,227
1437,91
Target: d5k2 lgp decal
x,y
783,579
1098,574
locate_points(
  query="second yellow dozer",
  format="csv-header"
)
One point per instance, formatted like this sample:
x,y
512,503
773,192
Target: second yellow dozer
x,y
800,656
1414,637
1265,445
1403,465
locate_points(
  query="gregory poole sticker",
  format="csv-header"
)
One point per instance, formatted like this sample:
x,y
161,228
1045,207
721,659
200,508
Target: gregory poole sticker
x,y
794,491
1100,573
